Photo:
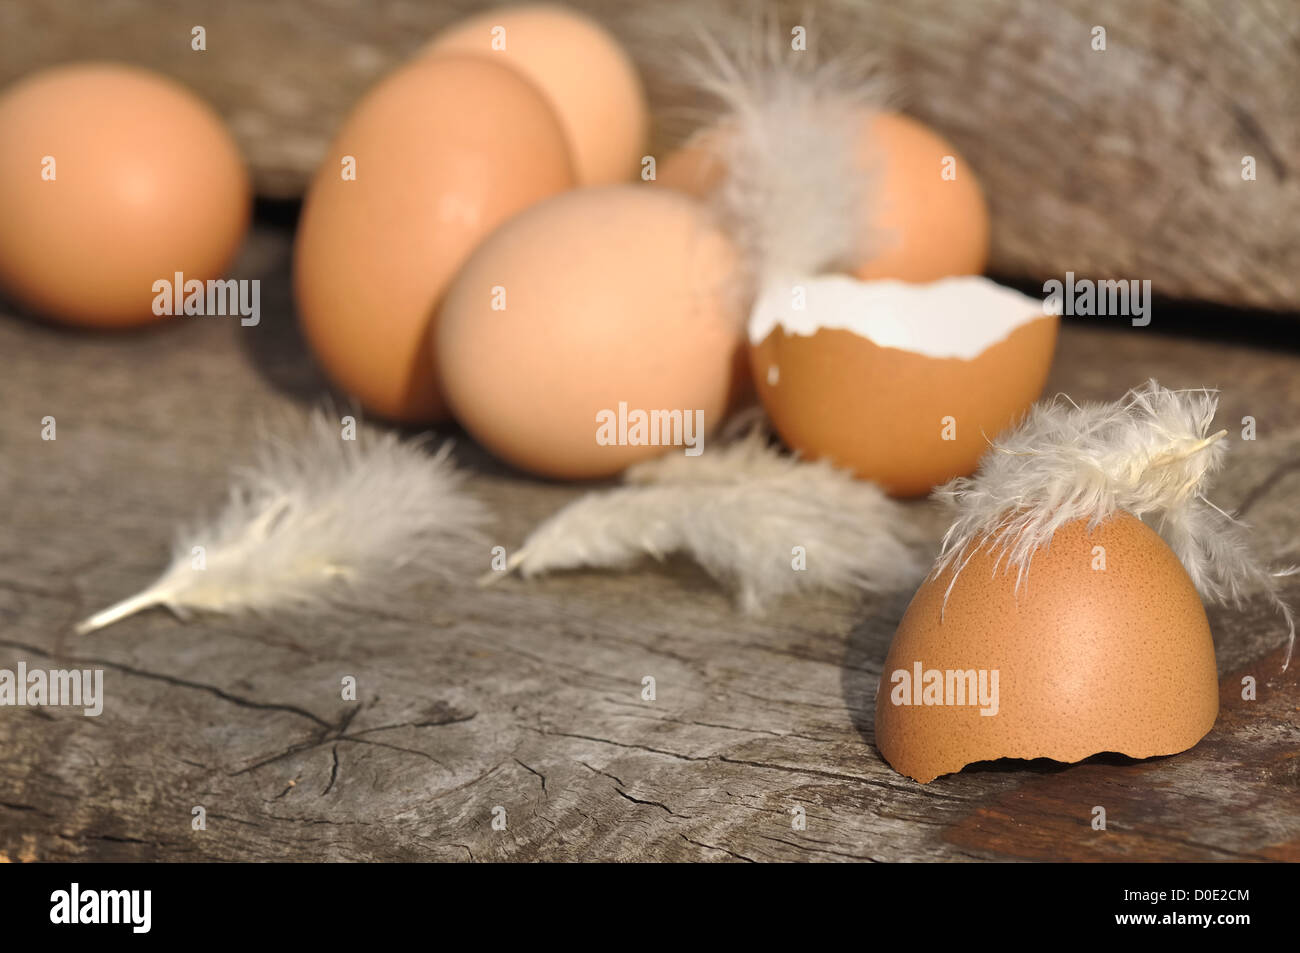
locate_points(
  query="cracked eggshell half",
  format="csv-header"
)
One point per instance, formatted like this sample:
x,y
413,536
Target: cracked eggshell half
x,y
1104,648
901,383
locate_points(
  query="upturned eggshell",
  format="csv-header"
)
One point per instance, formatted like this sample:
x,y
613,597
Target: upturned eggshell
x,y
113,178
583,71
919,225
1089,660
445,149
887,413
592,299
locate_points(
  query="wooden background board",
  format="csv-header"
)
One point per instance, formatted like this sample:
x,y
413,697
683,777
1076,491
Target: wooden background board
x,y
1123,163
527,695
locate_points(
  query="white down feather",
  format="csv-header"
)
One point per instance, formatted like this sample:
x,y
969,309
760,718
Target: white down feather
x,y
1150,454
317,521
738,510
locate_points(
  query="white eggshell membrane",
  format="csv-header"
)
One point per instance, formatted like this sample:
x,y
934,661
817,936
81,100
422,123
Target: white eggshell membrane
x,y
958,317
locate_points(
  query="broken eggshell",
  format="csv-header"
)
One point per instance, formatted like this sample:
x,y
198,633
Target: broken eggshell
x,y
1105,647
902,383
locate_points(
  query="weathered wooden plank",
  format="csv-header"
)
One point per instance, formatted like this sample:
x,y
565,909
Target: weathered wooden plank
x,y
527,696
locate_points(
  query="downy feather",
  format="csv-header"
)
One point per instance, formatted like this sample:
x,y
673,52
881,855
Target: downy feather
x,y
738,510
1150,454
793,195
317,521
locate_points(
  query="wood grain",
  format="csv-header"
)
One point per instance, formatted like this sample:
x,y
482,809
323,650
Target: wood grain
x,y
528,696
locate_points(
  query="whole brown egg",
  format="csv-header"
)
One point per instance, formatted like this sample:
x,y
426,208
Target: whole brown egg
x,y
113,179
923,215
428,163
594,330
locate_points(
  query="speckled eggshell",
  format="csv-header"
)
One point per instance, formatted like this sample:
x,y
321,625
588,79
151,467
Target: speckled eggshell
x,y
1088,660
878,411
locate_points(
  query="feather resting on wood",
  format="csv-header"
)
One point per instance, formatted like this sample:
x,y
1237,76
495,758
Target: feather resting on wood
x,y
739,510
315,522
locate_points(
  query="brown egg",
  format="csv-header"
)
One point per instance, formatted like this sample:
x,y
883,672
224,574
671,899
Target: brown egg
x,y
445,149
584,73
696,166
1087,659
113,178
921,226
902,384
926,226
584,315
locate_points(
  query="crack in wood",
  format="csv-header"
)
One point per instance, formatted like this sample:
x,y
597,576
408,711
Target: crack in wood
x,y
169,679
